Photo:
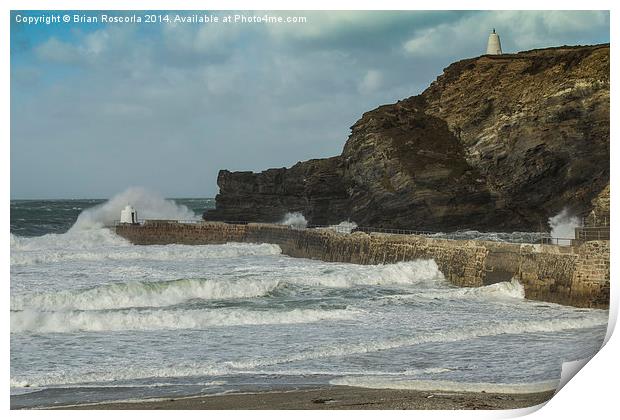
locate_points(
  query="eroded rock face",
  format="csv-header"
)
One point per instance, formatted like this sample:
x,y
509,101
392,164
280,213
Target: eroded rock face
x,y
406,169
495,143
314,188
600,213
536,125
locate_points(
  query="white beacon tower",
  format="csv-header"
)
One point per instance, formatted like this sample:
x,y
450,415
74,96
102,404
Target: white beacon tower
x,y
129,215
494,47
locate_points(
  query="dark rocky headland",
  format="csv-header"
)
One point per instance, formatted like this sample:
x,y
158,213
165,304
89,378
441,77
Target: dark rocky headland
x,y
496,143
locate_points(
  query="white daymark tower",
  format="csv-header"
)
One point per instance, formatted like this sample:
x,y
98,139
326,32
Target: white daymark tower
x,y
129,215
494,46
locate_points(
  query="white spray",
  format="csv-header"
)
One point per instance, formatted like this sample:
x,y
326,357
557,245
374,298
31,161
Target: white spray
x,y
344,227
295,220
563,225
149,205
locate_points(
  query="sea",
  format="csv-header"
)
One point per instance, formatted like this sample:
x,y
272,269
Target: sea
x,y
95,318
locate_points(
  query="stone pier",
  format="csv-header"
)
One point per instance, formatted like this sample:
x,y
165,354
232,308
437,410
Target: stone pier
x,y
577,276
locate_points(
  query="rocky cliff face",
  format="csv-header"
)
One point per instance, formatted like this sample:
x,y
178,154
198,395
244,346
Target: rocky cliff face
x,y
600,213
314,188
495,143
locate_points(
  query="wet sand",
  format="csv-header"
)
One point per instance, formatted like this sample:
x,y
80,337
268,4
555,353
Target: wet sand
x,y
335,398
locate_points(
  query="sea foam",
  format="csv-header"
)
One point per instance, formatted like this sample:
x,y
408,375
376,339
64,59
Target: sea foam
x,y
129,320
443,336
61,250
502,290
171,292
143,294
149,205
387,382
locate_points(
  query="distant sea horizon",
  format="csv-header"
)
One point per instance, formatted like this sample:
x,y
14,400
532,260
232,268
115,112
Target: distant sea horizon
x,y
37,217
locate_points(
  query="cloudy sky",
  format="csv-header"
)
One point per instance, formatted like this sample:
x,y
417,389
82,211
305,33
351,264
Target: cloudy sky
x,y
96,108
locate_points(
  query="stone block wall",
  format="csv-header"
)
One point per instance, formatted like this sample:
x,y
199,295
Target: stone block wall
x,y
591,279
170,232
577,276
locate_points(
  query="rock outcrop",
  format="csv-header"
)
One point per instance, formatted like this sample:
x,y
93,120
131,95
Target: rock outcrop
x,y
495,143
314,188
600,214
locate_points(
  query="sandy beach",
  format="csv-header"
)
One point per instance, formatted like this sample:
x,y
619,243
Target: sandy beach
x,y
335,398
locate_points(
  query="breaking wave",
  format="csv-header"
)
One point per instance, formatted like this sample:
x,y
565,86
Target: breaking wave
x,y
70,241
88,240
295,220
149,205
123,251
165,293
129,320
563,226
143,294
402,273
342,227
503,290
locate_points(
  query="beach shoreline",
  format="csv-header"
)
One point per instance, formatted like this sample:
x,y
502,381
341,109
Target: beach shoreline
x,y
332,398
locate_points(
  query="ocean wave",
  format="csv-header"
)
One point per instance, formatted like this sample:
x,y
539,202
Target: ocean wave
x,y
130,320
149,205
594,319
335,372
69,241
387,382
114,378
105,377
144,294
172,292
257,365
131,375
26,386
402,273
502,290
295,220
123,251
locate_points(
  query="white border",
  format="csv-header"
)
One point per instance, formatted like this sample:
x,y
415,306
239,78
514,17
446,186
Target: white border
x,y
591,395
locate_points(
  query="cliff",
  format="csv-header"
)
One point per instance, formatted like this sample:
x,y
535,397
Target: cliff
x,y
315,188
600,214
495,143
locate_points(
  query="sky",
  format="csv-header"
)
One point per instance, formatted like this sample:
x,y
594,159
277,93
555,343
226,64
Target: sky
x,y
100,107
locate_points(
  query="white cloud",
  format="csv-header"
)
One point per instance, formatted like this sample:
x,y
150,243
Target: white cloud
x,y
91,48
428,42
95,43
208,41
373,80
324,24
223,80
519,30
55,50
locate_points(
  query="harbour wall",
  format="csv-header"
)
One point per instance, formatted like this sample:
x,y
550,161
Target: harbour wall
x,y
568,275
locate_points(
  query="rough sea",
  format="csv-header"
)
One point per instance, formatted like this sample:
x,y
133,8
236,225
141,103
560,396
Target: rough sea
x,y
95,318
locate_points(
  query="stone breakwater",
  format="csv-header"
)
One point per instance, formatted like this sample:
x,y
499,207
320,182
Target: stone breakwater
x,y
571,275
